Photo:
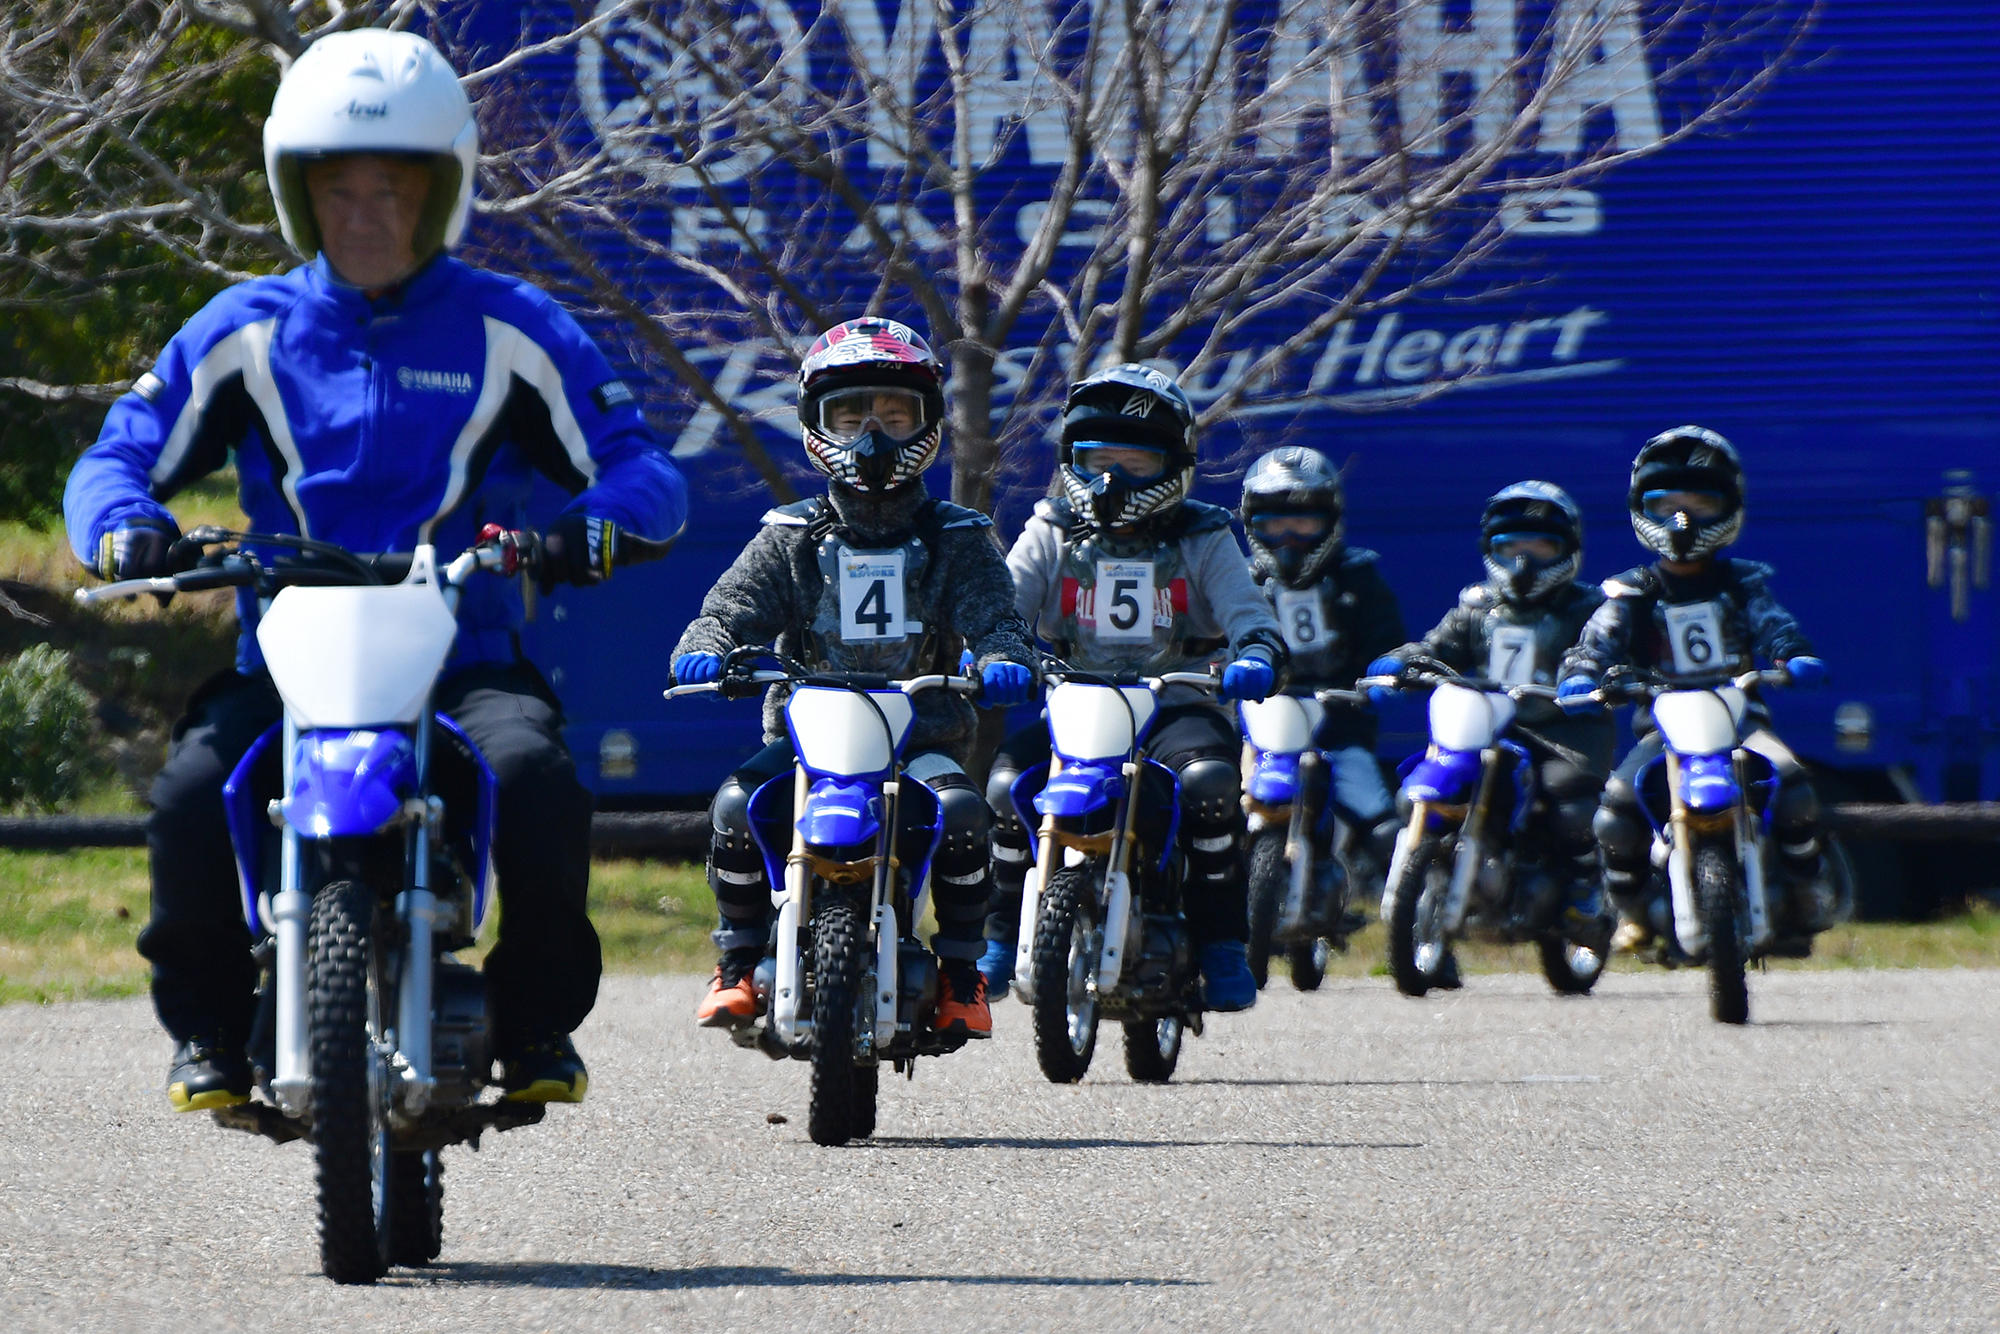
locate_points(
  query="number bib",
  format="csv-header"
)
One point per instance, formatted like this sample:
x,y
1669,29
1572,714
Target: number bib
x,y
1694,633
871,596
1123,601
1302,616
1510,657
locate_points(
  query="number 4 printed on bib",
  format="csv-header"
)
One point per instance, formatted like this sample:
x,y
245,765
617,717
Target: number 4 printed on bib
x,y
1694,631
871,596
1123,600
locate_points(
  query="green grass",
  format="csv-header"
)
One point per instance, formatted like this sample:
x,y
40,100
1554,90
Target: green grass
x,y
69,920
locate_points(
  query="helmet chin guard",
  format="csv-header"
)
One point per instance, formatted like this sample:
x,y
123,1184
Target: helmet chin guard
x,y
1529,510
1294,480
1691,459
1135,405
847,362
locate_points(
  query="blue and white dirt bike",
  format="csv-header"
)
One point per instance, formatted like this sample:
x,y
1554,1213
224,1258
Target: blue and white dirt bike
x,y
1709,801
1102,928
849,986
1298,898
1472,854
371,1041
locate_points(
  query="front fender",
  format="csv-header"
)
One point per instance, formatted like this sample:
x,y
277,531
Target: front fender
x,y
841,814
1708,783
1274,778
1080,789
349,784
1443,775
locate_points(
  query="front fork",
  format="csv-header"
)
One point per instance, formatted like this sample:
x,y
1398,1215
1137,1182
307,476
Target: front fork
x,y
1117,889
1690,928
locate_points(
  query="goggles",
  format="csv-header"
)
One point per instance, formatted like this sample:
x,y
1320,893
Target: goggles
x,y
1129,463
1510,548
1275,528
1701,506
845,415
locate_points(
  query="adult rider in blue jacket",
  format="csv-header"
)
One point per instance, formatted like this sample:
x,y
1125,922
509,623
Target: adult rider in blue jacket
x,y
383,396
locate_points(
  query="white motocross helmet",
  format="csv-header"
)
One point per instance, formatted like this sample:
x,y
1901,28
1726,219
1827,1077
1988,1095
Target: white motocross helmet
x,y
371,90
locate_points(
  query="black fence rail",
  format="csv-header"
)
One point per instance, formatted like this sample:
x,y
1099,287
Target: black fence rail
x,y
685,833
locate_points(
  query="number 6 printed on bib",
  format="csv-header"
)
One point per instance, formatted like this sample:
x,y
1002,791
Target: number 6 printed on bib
x,y
1694,632
1123,600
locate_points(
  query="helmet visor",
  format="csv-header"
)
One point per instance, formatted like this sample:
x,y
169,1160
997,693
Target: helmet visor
x,y
1133,464
1289,529
1701,506
845,415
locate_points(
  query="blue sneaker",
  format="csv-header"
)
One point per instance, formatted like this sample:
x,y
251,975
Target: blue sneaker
x,y
996,965
1226,982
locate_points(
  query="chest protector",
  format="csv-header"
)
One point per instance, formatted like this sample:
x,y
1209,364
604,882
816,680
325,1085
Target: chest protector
x,y
1124,605
1690,641
1520,645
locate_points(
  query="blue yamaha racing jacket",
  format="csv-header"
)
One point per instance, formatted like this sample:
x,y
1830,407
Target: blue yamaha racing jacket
x,y
381,424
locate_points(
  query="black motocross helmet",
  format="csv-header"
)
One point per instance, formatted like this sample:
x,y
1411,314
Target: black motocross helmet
x,y
1129,405
1517,520
1288,482
1687,493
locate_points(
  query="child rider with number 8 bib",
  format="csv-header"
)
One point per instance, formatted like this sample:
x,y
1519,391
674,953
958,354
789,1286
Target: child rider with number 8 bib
x,y
875,576
1122,572
1337,612
1698,619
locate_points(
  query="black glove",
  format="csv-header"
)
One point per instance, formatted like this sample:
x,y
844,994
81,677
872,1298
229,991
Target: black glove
x,y
138,549
577,549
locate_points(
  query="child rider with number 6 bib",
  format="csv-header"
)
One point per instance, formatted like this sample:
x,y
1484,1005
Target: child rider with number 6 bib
x,y
1697,618
1122,572
875,576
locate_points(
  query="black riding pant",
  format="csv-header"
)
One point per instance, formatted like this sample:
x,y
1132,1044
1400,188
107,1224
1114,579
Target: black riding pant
x,y
961,884
541,975
1199,742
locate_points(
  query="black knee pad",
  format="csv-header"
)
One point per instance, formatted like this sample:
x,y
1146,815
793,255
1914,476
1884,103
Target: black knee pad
x,y
1619,828
1211,794
1000,802
1795,811
967,825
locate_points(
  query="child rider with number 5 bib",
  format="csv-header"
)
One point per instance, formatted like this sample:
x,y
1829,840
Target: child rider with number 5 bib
x,y
1122,572
1697,618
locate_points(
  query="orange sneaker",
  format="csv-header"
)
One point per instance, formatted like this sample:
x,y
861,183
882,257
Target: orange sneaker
x,y
962,1006
730,1002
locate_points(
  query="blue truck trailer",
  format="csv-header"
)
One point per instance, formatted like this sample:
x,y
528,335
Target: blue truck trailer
x,y
1818,279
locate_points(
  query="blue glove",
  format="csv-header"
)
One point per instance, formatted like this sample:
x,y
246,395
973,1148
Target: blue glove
x,y
696,669
1386,665
1806,672
1247,678
1005,683
1573,695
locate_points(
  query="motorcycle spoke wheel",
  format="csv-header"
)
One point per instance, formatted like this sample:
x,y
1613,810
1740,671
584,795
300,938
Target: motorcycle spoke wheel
x,y
1064,960
1269,877
351,1085
1719,900
1153,1049
837,946
1413,958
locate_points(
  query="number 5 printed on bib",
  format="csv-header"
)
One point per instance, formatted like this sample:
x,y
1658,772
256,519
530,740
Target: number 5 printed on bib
x,y
871,596
1123,600
1694,631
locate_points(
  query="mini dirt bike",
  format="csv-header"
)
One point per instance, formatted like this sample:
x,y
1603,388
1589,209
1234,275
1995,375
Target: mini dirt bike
x,y
1709,800
849,987
1298,899
1472,854
371,1040
1102,931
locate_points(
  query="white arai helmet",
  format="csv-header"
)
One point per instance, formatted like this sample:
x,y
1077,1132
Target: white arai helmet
x,y
371,90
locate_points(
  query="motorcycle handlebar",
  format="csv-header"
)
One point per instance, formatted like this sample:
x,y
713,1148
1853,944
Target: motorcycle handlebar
x,y
958,685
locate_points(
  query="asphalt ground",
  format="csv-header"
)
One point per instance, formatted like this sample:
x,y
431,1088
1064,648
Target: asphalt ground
x,y
1497,1159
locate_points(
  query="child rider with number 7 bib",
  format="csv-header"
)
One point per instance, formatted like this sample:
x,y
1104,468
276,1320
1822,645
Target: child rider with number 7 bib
x,y
1697,618
1122,572
875,576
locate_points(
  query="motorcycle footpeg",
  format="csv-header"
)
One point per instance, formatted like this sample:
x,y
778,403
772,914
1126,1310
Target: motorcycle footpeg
x,y
260,1118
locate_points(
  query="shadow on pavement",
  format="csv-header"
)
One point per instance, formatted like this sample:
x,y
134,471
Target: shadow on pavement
x,y
536,1274
1094,1142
